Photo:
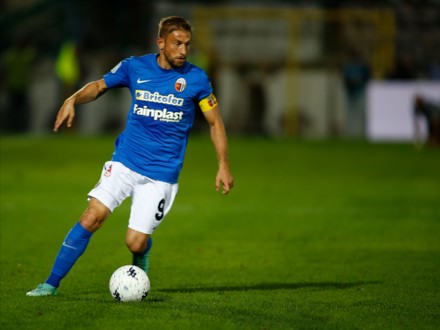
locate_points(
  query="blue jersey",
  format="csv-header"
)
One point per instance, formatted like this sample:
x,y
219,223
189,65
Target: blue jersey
x,y
161,114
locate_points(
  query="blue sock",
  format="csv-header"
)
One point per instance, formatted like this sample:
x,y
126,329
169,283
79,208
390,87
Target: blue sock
x,y
149,245
73,247
142,259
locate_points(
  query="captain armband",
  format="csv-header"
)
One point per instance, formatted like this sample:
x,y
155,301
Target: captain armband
x,y
208,103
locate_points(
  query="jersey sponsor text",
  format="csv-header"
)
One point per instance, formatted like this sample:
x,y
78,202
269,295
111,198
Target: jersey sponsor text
x,y
161,115
158,98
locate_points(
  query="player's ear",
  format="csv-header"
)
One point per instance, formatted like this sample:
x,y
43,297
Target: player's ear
x,y
160,43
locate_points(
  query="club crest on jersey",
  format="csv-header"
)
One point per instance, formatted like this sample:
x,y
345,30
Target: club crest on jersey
x,y
108,170
180,84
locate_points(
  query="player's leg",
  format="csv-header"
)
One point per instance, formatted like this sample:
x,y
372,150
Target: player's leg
x,y
94,216
139,244
73,246
77,240
151,201
115,178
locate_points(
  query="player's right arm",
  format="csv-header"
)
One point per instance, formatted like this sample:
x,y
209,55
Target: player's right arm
x,y
88,93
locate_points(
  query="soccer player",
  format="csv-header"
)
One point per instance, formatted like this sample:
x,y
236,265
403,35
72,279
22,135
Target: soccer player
x,y
148,154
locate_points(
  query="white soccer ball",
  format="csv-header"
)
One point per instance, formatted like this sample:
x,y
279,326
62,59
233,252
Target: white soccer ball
x,y
129,283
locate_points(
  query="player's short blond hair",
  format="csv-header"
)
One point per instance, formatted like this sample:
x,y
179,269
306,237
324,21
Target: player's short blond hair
x,y
168,25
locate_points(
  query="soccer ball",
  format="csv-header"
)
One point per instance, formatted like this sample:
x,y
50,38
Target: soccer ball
x,y
129,283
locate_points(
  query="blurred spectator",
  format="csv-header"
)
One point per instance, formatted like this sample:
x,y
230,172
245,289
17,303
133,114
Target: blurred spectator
x,y
356,76
16,66
430,112
68,69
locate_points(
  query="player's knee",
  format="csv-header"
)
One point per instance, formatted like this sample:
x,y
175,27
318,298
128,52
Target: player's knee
x,y
136,241
136,244
93,218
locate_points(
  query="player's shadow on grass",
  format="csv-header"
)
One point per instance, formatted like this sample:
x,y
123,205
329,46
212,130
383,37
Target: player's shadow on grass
x,y
274,286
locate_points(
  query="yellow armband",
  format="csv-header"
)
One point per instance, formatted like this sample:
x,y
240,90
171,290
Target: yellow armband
x,y
208,103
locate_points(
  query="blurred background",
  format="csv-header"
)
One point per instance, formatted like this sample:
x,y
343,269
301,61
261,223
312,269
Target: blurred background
x,y
315,69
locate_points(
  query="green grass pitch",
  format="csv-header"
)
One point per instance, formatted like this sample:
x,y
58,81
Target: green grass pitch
x,y
315,235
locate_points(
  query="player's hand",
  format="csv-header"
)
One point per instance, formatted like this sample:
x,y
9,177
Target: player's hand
x,y
224,180
66,113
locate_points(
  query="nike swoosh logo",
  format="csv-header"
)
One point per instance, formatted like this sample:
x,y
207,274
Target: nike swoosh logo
x,y
69,246
139,81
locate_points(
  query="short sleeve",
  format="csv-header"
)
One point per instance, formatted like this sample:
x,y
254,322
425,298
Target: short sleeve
x,y
205,87
119,75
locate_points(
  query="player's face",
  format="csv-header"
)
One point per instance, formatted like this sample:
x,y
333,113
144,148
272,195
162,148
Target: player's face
x,y
175,48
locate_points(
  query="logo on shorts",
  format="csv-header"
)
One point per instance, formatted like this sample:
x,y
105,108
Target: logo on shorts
x,y
108,170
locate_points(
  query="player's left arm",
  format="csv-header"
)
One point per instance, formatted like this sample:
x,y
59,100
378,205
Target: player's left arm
x,y
224,177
